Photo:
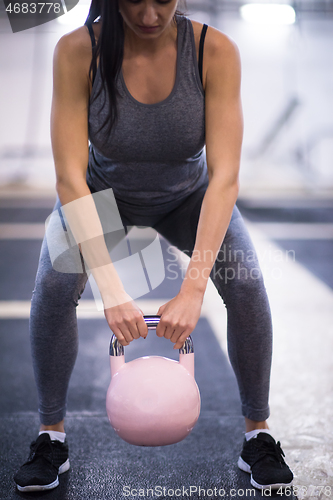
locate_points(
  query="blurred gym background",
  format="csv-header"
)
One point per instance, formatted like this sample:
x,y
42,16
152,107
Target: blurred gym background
x,y
286,195
287,58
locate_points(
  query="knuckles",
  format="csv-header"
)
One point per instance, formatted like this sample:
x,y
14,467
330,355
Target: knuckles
x,y
124,343
178,326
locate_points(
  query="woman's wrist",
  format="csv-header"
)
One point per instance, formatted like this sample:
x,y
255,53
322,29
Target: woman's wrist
x,y
108,281
114,298
193,287
196,278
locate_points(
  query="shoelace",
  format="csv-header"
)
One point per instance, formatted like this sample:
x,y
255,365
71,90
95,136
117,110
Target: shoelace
x,y
272,449
43,449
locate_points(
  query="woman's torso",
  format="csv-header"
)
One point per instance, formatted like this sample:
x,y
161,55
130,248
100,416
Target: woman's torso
x,y
154,156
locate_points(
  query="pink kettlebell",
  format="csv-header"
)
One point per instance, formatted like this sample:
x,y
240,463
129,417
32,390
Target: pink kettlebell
x,y
152,401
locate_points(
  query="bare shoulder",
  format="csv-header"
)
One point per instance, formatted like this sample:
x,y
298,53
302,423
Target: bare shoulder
x,y
74,43
73,50
220,47
215,41
221,54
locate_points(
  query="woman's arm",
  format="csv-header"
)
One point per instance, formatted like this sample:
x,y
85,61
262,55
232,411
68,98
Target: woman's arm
x,y
224,133
69,136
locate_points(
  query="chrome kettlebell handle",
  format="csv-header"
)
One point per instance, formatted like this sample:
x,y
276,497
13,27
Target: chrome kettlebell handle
x,y
116,349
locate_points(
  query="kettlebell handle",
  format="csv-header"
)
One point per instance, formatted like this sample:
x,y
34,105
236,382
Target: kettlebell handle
x,y
116,349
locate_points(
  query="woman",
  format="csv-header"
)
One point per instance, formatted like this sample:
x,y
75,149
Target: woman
x,y
148,126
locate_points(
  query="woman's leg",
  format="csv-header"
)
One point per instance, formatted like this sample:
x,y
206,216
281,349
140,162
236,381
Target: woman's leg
x,y
60,281
237,277
53,329
54,346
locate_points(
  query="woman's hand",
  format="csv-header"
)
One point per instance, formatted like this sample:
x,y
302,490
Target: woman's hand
x,y
126,321
179,317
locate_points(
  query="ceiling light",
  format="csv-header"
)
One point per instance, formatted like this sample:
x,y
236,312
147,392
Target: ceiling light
x,y
259,13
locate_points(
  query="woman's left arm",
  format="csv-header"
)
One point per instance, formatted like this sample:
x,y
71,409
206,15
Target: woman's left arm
x,y
224,133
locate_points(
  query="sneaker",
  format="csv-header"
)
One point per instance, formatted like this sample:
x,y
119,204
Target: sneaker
x,y
47,459
262,457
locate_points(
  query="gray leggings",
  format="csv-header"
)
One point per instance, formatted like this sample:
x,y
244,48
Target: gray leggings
x,y
236,275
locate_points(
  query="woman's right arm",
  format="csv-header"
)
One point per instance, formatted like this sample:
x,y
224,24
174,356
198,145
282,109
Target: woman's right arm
x,y
69,137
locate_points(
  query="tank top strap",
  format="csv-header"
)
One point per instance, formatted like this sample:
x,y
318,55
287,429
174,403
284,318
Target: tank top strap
x,y
201,49
190,63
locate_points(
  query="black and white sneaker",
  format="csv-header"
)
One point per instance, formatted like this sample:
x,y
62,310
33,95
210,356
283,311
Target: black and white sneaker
x,y
262,457
47,459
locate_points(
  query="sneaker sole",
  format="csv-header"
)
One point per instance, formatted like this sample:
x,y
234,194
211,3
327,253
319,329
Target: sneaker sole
x,y
39,487
64,467
42,487
246,468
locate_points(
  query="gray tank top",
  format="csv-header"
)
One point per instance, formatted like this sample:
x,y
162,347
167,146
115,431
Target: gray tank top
x,y
154,157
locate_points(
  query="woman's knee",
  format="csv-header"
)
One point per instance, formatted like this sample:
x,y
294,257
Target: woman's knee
x,y
238,281
55,286
57,279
